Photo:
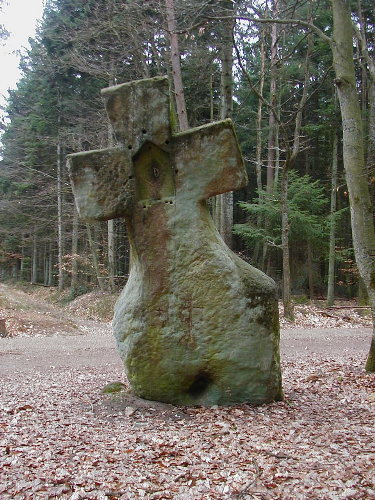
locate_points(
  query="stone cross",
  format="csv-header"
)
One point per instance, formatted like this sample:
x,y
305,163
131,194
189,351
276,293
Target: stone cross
x,y
194,324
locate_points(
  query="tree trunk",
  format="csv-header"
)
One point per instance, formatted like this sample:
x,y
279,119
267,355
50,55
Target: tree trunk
x,y
332,229
60,228
22,269
287,299
354,156
259,145
371,141
310,270
272,123
45,267
34,268
176,67
74,277
212,97
95,260
223,213
50,265
259,142
111,254
3,328
111,233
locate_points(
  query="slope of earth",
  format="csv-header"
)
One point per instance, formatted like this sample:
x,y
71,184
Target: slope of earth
x,y
62,438
30,314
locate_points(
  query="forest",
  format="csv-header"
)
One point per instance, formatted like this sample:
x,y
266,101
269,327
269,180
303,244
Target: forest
x,y
297,78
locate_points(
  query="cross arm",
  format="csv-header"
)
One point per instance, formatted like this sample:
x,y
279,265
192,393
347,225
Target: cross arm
x,y
208,160
102,183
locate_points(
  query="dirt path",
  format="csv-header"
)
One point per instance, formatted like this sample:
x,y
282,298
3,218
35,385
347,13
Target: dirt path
x,y
25,354
49,337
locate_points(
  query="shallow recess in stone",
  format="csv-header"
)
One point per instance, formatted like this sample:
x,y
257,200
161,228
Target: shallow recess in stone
x,y
200,385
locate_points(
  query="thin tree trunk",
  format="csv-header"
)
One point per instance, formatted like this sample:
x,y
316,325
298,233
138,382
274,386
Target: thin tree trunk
x,y
371,141
259,145
95,260
111,254
22,269
310,270
272,123
45,265
60,227
364,83
259,142
226,104
332,230
111,231
74,277
211,97
34,268
223,213
3,328
277,153
287,299
176,67
354,156
50,265
368,69
288,305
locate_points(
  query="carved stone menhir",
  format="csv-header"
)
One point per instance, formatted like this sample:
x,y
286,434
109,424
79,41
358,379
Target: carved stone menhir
x,y
195,324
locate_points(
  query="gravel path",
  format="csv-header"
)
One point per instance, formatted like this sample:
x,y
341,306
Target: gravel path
x,y
25,354
59,338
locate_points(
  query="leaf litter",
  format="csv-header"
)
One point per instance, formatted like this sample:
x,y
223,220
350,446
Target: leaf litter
x,y
62,438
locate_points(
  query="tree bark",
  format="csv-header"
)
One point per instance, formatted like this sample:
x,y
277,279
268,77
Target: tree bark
x,y
287,299
111,231
310,270
332,229
95,260
3,328
354,155
223,212
46,263
111,254
60,227
50,265
74,277
34,268
272,123
22,269
371,141
176,67
259,143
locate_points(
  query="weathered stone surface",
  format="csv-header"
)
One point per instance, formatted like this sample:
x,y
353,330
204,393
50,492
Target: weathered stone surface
x,y
195,324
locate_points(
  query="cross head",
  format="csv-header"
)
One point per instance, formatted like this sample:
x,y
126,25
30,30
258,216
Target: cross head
x,y
152,164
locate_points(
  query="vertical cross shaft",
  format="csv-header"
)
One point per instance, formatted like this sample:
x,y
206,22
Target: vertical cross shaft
x,y
195,324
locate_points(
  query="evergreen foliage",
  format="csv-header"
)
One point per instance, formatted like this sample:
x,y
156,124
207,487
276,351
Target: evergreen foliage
x,y
307,201
56,109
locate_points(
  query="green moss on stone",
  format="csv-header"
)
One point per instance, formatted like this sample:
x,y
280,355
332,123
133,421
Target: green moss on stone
x,y
113,387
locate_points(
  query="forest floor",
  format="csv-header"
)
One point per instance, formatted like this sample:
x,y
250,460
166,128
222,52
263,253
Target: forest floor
x,y
62,438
